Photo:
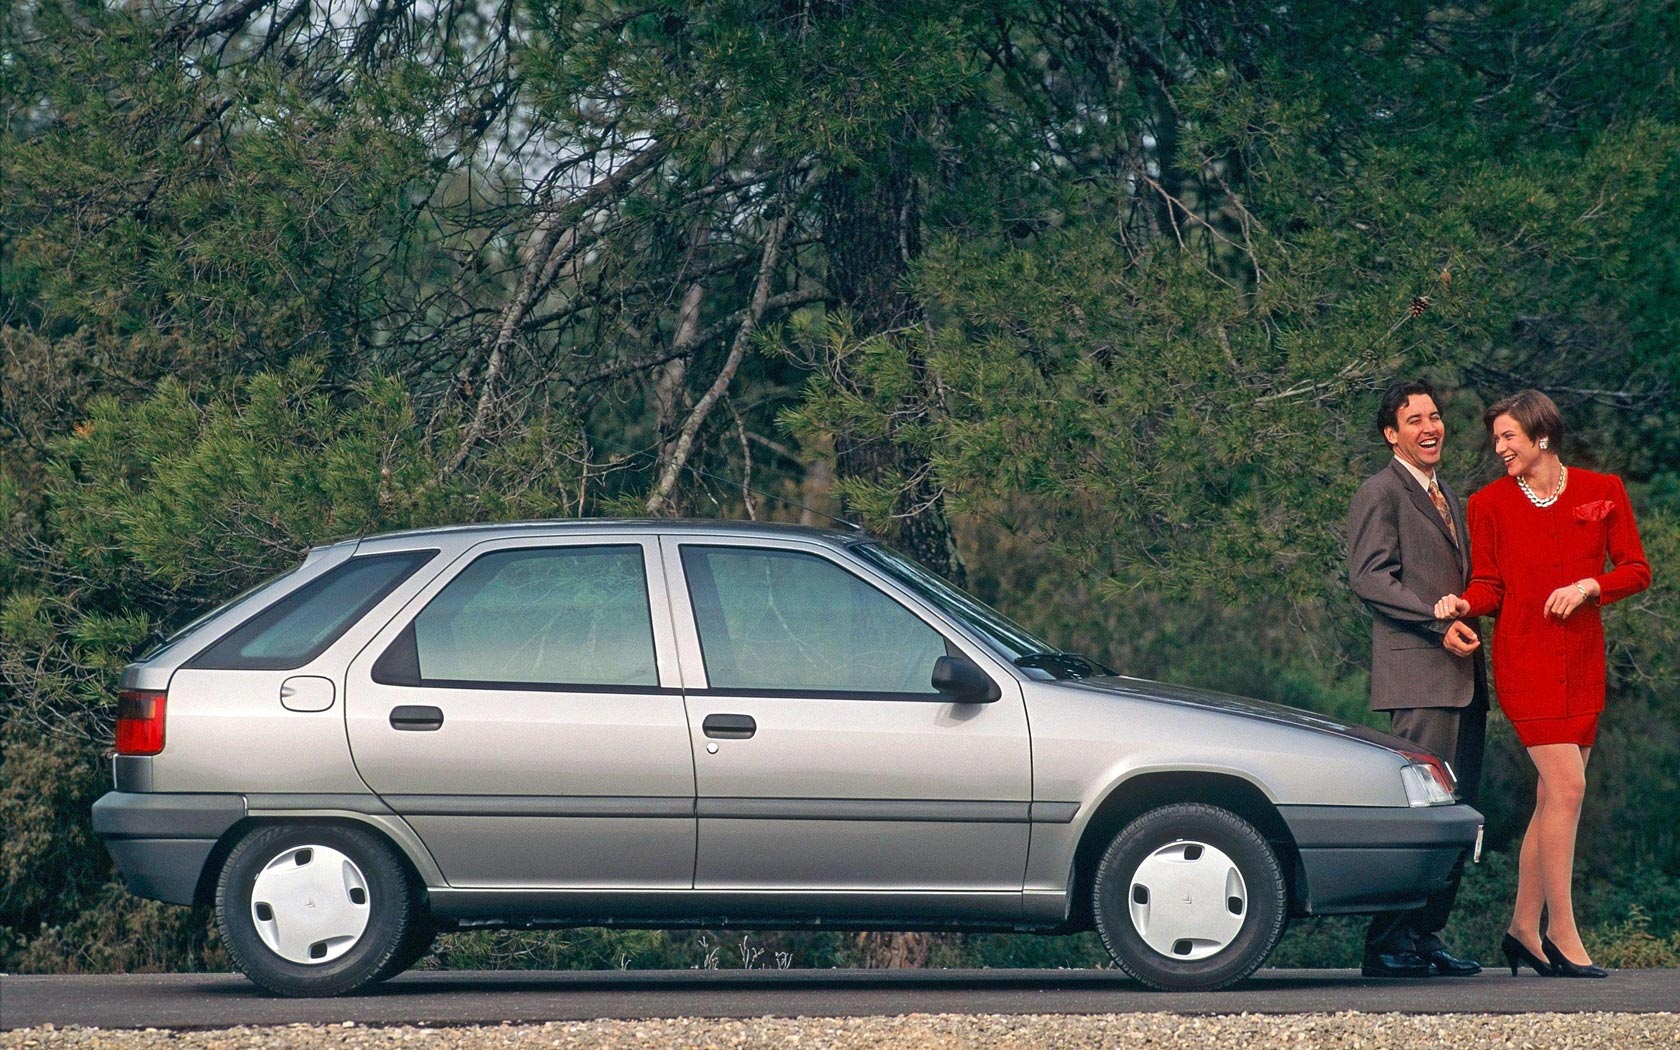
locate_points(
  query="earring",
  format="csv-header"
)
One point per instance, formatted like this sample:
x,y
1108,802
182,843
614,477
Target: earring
x,y
1545,443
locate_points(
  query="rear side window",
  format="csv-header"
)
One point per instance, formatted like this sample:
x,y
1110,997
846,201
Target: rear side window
x,y
299,627
541,618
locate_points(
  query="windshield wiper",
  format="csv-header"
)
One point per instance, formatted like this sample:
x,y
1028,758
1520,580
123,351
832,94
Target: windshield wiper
x,y
1062,665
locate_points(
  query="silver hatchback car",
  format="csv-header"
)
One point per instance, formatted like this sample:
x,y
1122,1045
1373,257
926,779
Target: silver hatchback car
x,y
715,724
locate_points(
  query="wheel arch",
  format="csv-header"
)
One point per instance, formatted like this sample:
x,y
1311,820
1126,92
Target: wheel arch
x,y
1139,794
401,845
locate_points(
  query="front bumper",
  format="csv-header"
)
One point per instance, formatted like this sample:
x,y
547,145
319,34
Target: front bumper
x,y
162,841
1356,859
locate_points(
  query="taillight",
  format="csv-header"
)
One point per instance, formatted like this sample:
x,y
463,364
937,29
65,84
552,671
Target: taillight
x,y
1428,780
140,722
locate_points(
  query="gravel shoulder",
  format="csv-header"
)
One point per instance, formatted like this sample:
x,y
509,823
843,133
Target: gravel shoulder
x,y
1367,1031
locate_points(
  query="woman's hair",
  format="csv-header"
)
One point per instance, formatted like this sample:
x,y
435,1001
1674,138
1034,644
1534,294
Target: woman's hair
x,y
1536,413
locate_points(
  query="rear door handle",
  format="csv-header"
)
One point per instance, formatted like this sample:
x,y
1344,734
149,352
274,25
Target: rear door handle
x,y
729,727
416,718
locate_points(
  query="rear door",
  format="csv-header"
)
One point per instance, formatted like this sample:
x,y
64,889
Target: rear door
x,y
825,761
524,715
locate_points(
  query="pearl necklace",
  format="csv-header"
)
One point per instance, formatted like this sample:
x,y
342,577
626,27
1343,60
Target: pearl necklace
x,y
1563,479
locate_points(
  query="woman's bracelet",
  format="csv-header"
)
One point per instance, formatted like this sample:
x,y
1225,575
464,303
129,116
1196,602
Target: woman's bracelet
x,y
1585,597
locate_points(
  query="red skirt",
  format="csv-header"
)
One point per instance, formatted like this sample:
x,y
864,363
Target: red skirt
x,y
1580,730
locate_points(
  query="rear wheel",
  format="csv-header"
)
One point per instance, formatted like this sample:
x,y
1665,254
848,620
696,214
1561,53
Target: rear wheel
x,y
1189,897
316,910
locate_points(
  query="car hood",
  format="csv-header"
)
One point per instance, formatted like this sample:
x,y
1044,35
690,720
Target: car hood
x,y
1243,707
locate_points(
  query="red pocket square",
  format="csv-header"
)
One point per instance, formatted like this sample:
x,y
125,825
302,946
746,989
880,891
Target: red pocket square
x,y
1597,510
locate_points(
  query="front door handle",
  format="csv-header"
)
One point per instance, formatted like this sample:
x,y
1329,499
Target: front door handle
x,y
416,718
729,727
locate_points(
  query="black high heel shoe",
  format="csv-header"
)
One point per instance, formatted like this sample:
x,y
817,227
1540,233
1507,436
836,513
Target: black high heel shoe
x,y
1562,967
1517,953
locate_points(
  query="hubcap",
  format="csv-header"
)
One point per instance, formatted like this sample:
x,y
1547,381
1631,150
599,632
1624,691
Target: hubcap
x,y
310,904
1187,901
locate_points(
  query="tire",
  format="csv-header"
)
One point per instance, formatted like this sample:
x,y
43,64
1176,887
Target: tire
x,y
315,909
1189,897
414,948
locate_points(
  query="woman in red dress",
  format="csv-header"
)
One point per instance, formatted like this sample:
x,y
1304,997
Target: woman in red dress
x,y
1540,538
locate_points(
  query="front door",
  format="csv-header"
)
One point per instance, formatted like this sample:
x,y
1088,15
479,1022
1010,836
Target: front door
x,y
825,761
523,714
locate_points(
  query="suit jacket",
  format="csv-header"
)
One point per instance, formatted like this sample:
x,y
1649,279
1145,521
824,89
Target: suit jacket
x,y
1400,560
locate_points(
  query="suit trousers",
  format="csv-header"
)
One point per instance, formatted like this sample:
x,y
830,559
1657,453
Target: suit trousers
x,y
1457,734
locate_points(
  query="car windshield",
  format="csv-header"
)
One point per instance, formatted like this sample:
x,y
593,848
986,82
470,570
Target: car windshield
x,y
1008,638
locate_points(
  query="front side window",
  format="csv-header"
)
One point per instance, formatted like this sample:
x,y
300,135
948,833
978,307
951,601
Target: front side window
x,y
789,621
543,617
1004,634
1038,659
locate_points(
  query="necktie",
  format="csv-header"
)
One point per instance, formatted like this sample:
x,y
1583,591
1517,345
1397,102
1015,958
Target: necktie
x,y
1440,502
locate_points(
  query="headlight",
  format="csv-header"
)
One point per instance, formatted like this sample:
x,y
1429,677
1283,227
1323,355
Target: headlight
x,y
1427,781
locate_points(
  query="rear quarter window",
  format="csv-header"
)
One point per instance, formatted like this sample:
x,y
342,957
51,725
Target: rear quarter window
x,y
299,627
181,633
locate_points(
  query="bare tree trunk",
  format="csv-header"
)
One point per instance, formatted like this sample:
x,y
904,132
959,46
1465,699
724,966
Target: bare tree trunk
x,y
872,231
894,951
816,488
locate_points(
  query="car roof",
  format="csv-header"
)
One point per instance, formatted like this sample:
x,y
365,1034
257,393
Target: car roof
x,y
478,531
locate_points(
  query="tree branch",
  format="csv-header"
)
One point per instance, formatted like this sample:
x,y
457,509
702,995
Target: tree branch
x,y
660,501
234,18
556,237
784,301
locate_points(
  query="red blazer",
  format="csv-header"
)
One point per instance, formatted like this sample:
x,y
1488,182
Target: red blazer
x,y
1520,554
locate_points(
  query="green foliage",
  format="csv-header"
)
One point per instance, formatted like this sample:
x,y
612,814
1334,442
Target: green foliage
x,y
46,861
832,81
999,951
1630,944
1115,282
617,949
154,511
1185,434
169,221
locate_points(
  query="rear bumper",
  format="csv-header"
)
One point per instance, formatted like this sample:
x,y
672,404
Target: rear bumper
x,y
1356,859
161,842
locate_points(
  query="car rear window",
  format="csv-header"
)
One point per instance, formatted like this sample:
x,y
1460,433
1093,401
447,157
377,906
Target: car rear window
x,y
299,627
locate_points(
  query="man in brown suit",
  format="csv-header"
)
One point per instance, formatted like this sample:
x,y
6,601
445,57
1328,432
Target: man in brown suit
x,y
1407,546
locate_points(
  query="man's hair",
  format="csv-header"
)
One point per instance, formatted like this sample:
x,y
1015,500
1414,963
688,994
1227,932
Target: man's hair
x,y
1394,399
1536,413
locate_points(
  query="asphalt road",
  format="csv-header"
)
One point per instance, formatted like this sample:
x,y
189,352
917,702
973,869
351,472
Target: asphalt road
x,y
183,1001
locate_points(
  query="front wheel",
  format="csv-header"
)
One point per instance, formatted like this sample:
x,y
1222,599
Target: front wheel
x,y
1189,897
315,910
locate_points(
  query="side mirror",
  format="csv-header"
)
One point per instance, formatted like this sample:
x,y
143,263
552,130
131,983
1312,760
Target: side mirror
x,y
961,679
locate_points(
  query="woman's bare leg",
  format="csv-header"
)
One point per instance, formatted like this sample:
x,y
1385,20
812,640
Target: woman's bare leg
x,y
1563,775
1531,895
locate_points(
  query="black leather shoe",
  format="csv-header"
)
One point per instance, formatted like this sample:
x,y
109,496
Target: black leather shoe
x,y
1402,963
1562,967
1517,953
1443,963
